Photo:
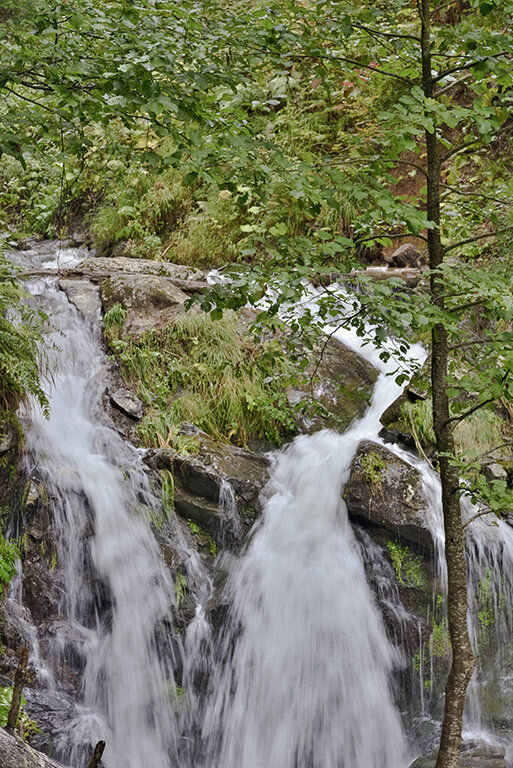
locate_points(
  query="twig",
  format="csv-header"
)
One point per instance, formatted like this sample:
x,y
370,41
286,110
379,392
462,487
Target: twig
x,y
94,762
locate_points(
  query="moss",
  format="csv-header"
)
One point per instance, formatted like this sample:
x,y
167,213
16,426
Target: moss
x,y
208,372
407,565
372,467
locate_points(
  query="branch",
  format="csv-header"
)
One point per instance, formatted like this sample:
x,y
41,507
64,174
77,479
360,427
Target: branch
x,y
474,517
391,236
389,35
31,101
453,85
460,148
469,64
473,194
470,411
494,233
408,162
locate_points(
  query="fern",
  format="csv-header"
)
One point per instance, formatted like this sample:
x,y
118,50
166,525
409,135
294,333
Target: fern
x,y
20,334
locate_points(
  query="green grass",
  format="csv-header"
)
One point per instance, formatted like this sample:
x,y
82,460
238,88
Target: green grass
x,y
208,372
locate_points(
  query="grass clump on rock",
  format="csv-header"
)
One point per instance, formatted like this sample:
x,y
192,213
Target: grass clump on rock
x,y
210,373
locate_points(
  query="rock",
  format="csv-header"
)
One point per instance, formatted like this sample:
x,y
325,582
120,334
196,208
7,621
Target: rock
x,y
494,471
53,711
8,437
142,267
405,256
218,486
15,753
83,295
151,301
344,386
126,403
387,491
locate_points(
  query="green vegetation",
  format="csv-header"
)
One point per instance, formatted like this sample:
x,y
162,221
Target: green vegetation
x,y
25,726
20,332
9,552
407,565
168,492
208,372
372,467
180,584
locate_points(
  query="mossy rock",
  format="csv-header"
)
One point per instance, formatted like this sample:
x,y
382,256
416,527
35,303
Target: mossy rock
x,y
394,501
343,385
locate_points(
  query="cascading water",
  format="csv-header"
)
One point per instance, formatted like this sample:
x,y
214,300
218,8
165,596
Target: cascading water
x,y
307,682
118,592
300,677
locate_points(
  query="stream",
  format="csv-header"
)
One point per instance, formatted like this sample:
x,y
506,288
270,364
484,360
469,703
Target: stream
x,y
301,673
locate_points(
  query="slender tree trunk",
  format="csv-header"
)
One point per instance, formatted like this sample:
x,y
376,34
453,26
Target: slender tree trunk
x,y
463,661
20,678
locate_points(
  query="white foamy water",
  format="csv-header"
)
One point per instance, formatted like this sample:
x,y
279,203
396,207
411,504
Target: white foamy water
x,y
118,591
307,681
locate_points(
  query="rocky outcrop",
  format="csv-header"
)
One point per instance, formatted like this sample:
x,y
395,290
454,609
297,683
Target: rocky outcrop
x,y
83,295
217,486
386,491
150,301
15,753
342,382
124,401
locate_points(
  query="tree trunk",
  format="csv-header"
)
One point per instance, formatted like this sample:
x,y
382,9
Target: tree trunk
x,y
463,661
15,753
20,678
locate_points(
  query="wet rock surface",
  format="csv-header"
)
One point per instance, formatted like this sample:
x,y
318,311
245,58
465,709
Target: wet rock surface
x,y
343,384
83,295
202,477
102,264
384,490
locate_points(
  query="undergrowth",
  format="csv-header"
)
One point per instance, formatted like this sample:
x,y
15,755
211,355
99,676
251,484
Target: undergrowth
x,y
208,372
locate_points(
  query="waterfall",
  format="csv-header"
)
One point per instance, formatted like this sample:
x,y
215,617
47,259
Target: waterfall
x,y
118,590
300,675
306,684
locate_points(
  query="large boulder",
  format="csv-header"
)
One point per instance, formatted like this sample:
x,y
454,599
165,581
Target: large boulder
x,y
15,753
386,491
343,383
149,300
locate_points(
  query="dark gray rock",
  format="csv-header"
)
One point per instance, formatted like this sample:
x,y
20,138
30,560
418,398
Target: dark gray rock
x,y
385,490
407,255
124,400
215,473
53,711
495,471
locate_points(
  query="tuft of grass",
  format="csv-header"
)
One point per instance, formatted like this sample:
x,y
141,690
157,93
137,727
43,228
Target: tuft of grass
x,y
207,372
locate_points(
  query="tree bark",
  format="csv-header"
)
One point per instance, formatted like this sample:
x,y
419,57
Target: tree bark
x,y
463,661
20,678
94,762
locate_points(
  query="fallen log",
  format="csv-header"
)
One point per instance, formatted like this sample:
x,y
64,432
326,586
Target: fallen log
x,y
15,753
